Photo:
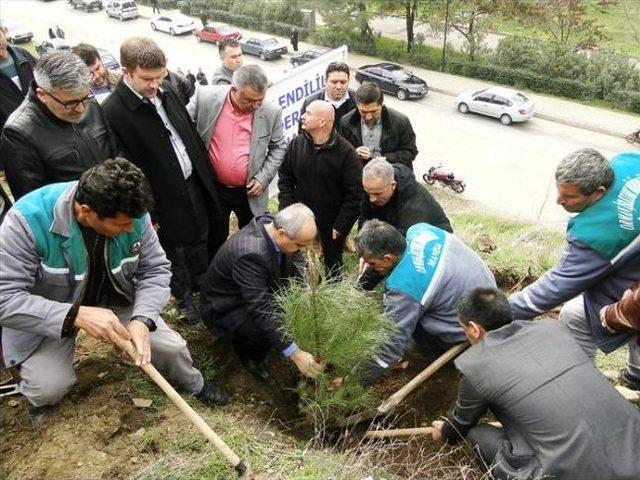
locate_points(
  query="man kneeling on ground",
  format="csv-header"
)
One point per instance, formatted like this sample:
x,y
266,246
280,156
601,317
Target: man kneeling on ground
x,y
426,275
561,419
84,255
237,290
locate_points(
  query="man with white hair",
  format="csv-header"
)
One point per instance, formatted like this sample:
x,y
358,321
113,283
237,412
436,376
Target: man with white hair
x,y
58,131
237,290
321,170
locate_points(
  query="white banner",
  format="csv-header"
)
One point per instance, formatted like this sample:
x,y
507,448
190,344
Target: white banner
x,y
289,92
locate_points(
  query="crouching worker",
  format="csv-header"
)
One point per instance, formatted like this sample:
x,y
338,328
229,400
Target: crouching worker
x,y
426,275
561,419
237,290
84,255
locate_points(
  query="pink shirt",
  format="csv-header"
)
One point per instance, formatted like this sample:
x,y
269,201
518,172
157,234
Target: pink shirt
x,y
229,145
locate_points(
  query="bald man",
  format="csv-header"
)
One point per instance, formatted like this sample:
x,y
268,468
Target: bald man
x,y
321,170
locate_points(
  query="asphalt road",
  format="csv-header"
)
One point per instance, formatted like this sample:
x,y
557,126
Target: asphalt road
x,y
508,169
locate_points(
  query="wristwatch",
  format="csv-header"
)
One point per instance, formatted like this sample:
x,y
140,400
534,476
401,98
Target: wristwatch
x,y
151,325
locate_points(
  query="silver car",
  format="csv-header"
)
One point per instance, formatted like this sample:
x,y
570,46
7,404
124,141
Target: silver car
x,y
507,105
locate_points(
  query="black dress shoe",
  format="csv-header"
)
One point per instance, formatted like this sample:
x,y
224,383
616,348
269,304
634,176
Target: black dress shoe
x,y
627,380
212,394
189,314
257,369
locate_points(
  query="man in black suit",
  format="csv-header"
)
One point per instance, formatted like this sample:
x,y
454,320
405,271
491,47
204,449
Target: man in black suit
x,y
154,129
375,130
336,92
237,290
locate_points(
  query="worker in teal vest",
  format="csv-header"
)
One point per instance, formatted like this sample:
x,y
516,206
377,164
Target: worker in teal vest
x,y
602,256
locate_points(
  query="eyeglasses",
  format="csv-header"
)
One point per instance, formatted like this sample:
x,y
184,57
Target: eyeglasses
x,y
70,104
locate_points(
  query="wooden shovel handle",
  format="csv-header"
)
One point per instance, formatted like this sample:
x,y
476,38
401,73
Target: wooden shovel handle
x,y
191,414
399,396
400,432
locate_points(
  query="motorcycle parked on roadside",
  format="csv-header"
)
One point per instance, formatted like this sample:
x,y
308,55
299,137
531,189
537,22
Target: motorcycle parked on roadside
x,y
437,174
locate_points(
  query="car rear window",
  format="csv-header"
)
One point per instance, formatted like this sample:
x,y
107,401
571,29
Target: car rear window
x,y
519,99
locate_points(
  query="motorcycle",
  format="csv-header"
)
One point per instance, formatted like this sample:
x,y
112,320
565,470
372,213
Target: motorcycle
x,y
436,174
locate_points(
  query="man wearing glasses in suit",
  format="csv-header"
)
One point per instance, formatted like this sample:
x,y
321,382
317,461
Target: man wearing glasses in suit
x,y
58,131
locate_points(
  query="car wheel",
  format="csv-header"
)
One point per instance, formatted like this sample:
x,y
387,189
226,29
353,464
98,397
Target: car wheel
x,y
458,187
153,27
463,107
262,56
506,119
401,94
172,31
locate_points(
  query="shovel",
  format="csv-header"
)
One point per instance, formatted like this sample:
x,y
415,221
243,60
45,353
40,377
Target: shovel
x,y
394,400
241,467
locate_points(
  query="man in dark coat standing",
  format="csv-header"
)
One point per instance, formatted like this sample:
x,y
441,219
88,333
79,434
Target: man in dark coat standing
x,y
321,170
336,92
560,418
16,74
154,129
375,130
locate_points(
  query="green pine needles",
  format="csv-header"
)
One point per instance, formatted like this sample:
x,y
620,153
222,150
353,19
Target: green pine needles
x,y
343,327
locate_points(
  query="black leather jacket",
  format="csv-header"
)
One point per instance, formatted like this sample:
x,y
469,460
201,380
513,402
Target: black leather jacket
x,y
37,148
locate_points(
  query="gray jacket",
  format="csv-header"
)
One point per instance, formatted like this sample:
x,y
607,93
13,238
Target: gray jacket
x,y
43,269
436,269
268,145
222,76
563,419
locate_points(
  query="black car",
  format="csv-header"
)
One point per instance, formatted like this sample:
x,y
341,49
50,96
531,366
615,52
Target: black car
x,y
307,56
392,78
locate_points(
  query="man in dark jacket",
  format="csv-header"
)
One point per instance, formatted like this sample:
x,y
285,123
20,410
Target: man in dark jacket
x,y
231,59
16,74
384,131
154,129
336,92
58,131
237,291
560,418
321,170
393,196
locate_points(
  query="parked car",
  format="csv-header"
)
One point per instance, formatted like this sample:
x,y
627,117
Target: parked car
x,y
265,48
87,5
507,105
394,79
122,9
216,32
52,44
175,24
17,32
307,56
108,59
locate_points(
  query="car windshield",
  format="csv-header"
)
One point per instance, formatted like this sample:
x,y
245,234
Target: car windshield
x,y
225,29
478,92
270,41
128,5
401,75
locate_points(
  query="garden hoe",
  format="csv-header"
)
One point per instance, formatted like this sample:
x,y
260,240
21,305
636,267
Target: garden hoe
x,y
394,400
241,467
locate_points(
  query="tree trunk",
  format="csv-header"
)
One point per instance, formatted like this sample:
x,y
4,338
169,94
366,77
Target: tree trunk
x,y
410,8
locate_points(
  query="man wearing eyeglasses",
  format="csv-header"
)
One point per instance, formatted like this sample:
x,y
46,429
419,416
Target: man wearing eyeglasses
x,y
57,132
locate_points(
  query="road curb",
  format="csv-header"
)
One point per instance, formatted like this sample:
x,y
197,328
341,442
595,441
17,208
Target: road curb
x,y
553,118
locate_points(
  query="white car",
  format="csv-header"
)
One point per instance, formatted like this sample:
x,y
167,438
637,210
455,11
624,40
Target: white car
x,y
17,32
174,24
122,9
507,105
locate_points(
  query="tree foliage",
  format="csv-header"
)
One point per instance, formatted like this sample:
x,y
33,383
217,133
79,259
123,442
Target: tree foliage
x,y
343,327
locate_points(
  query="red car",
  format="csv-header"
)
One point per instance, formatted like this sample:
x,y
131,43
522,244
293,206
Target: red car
x,y
215,33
